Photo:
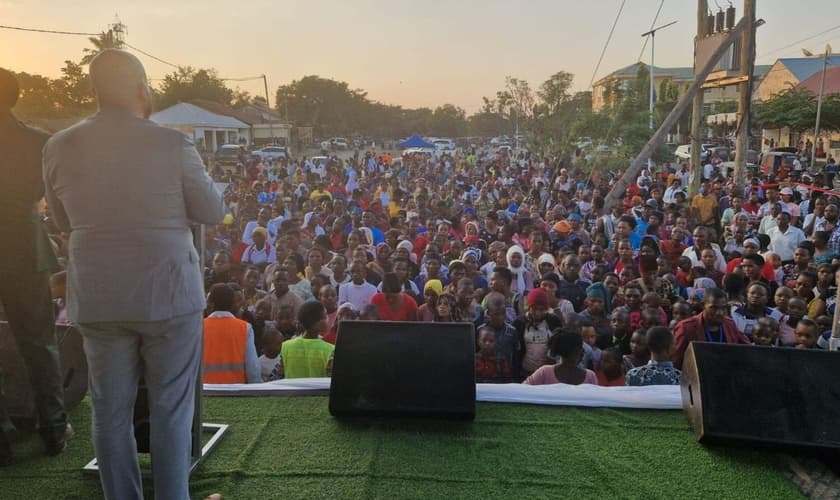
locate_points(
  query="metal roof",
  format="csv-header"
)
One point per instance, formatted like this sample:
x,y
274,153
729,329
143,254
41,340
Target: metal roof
x,y
190,115
804,67
832,81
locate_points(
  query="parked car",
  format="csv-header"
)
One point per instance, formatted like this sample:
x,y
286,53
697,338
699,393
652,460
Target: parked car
x,y
683,152
228,154
272,153
778,163
339,143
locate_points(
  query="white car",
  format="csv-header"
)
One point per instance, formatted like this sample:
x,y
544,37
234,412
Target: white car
x,y
444,146
339,143
272,153
683,153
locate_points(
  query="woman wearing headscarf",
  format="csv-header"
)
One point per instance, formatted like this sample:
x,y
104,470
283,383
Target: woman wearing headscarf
x,y
523,280
381,262
546,265
472,260
598,308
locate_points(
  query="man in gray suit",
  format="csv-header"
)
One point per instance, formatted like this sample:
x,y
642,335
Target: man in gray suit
x,y
26,259
126,189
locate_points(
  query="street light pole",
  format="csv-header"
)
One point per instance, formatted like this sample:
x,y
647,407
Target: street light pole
x,y
819,105
652,34
270,121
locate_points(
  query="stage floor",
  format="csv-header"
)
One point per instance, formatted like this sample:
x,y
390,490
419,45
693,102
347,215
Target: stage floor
x,y
292,448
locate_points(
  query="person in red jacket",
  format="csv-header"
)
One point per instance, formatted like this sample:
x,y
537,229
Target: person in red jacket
x,y
392,303
711,325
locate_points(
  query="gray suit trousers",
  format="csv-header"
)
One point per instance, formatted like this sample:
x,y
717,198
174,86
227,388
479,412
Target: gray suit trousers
x,y
167,354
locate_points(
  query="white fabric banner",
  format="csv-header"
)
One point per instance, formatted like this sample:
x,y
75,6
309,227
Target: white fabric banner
x,y
654,397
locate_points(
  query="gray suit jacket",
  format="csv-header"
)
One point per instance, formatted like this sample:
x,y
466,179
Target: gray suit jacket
x,y
126,189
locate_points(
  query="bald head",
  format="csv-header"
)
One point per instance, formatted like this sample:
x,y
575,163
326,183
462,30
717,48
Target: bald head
x,y
119,80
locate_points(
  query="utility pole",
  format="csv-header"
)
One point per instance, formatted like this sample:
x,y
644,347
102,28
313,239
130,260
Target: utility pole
x,y
695,169
746,64
819,107
268,105
652,35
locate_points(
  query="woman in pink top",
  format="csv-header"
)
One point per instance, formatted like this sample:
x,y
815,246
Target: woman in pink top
x,y
569,347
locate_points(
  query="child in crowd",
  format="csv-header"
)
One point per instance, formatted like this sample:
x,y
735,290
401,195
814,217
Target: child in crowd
x,y
824,323
766,332
660,369
369,313
507,340
568,346
796,308
684,272
285,321
329,297
446,309
679,311
652,300
611,371
639,354
535,329
591,358
344,312
490,367
620,324
270,360
633,304
807,334
308,355
431,291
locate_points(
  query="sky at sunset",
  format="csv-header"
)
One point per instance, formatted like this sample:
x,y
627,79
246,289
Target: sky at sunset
x,y
408,53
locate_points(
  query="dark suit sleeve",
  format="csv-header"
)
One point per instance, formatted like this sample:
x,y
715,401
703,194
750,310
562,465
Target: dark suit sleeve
x,y
204,202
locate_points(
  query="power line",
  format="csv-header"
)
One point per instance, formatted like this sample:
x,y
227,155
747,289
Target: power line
x,y
40,30
652,24
158,59
800,41
609,37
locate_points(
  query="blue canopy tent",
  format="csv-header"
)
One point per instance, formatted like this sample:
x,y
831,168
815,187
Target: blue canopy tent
x,y
415,141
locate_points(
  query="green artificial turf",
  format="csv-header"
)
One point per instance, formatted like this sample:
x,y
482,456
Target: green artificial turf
x,y
292,448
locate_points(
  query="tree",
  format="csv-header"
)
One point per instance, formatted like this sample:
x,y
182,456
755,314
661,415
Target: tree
x,y
107,40
330,106
449,121
73,90
37,97
187,83
554,92
797,109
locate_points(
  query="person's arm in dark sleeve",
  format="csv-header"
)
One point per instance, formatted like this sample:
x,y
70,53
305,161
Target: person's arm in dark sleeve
x,y
204,202
681,341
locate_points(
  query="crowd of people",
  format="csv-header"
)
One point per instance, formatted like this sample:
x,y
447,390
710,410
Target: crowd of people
x,y
559,288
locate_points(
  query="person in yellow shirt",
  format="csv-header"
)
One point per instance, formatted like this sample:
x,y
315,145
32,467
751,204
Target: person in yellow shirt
x,y
318,192
704,206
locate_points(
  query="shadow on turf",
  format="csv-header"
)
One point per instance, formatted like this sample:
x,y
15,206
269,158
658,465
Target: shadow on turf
x,y
428,425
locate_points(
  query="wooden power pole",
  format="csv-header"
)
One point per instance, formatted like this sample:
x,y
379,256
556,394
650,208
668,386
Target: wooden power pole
x,y
746,64
658,137
695,169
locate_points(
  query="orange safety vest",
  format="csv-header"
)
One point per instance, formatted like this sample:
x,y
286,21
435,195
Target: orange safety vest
x,y
224,350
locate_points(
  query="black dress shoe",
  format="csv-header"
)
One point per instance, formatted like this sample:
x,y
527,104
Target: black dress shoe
x,y
55,446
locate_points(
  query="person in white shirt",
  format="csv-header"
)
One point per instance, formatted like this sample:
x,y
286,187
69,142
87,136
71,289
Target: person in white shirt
x,y
785,238
708,171
263,220
259,253
769,221
668,197
358,292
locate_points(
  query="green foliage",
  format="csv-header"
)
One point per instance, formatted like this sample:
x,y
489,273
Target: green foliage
x,y
187,83
797,110
107,40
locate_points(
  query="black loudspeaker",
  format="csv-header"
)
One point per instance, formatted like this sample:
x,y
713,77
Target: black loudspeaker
x,y
404,368
770,395
20,403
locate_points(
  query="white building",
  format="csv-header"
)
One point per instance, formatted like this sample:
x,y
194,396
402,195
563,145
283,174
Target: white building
x,y
208,130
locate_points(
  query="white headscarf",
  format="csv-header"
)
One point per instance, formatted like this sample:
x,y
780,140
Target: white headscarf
x,y
518,272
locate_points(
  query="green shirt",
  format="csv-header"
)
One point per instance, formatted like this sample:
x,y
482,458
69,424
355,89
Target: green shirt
x,y
305,358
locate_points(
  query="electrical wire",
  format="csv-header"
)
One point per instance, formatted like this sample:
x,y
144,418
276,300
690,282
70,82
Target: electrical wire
x,y
55,32
158,59
801,40
609,37
652,24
